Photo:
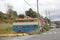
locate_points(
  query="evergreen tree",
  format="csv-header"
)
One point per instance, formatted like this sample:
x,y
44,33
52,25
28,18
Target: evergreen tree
x,y
31,13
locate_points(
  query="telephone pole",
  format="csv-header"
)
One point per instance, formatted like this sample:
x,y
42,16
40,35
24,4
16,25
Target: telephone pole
x,y
49,19
46,17
38,15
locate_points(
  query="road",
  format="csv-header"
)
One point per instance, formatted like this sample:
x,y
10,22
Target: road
x,y
53,34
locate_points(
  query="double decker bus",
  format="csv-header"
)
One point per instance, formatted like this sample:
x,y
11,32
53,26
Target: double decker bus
x,y
25,24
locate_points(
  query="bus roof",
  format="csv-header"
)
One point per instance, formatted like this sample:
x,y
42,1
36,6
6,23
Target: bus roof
x,y
26,19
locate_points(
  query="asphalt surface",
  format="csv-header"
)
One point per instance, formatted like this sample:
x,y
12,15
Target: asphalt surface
x,y
53,34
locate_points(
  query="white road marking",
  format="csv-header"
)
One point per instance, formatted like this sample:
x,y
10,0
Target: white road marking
x,y
55,32
50,33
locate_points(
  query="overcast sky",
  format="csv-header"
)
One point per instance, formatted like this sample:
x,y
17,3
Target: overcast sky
x,y
53,6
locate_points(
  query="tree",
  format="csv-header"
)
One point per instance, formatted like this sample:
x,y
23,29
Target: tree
x,y
1,14
15,13
11,13
2,17
31,13
46,19
57,23
21,15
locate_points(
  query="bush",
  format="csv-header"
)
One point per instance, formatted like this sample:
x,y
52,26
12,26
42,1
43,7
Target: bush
x,y
47,27
34,32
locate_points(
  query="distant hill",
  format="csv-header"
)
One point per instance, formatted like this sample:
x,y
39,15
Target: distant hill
x,y
57,22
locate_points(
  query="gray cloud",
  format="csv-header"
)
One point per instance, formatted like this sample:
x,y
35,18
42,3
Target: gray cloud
x,y
53,6
55,14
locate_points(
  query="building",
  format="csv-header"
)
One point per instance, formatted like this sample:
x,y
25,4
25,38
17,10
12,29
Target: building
x,y
53,24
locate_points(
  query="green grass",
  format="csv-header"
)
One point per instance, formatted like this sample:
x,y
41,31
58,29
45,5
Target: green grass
x,y
5,28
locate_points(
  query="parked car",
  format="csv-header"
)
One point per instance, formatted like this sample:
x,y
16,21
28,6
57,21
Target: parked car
x,y
57,26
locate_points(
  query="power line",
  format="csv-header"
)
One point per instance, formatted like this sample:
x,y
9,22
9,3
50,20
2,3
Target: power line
x,y
28,4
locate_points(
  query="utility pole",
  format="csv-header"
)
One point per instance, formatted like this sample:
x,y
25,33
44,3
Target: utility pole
x,y
49,19
46,17
38,16
46,13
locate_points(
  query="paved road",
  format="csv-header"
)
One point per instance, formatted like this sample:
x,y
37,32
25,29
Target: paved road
x,y
53,34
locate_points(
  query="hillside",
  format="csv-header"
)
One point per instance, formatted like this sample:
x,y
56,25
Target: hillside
x,y
58,22
6,21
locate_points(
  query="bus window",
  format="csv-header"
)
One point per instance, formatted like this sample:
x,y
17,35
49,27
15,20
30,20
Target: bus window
x,y
35,26
27,26
18,26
